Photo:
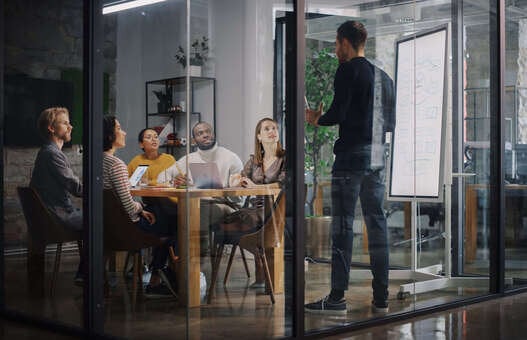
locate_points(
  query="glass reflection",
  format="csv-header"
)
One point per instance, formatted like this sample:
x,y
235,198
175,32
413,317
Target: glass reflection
x,y
42,185
515,153
145,93
246,270
422,236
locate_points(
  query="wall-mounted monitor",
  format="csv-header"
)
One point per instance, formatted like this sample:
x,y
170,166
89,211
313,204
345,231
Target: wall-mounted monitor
x,y
25,98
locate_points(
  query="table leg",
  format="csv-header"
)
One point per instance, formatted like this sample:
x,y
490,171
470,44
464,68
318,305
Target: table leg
x,y
471,223
275,261
188,231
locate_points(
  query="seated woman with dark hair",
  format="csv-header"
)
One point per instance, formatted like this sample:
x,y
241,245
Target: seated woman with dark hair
x,y
157,162
115,177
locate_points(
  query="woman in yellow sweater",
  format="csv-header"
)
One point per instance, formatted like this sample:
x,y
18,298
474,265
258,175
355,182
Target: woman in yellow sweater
x,y
149,142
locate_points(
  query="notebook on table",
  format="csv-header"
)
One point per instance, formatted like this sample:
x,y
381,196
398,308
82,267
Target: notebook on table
x,y
205,175
137,175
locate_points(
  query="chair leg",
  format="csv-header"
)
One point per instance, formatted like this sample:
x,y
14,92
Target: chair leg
x,y
229,264
56,267
212,252
245,263
261,253
136,274
215,270
125,266
140,269
106,259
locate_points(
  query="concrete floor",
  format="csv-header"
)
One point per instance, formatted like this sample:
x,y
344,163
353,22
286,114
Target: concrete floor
x,y
240,312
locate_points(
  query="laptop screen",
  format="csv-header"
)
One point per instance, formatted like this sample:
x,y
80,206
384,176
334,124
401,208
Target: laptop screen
x,y
137,175
205,175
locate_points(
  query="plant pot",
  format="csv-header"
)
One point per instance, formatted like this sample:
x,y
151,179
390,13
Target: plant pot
x,y
318,237
195,70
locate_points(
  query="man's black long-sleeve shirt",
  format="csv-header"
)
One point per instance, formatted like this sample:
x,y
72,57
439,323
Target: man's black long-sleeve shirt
x,y
363,107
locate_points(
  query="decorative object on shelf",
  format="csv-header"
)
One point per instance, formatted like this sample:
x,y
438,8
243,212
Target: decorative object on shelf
x,y
165,100
195,71
199,50
176,108
173,120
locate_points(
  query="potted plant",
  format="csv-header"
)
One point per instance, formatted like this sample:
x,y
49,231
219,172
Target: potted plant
x,y
199,52
320,71
319,74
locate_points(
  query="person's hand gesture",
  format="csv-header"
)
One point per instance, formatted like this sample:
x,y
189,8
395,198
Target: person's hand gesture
x,y
246,182
235,180
180,180
151,218
312,116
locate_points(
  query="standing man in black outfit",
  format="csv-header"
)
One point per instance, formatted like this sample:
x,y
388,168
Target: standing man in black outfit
x,y
363,107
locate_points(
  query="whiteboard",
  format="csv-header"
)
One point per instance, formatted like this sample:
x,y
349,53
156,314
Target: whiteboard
x,y
416,168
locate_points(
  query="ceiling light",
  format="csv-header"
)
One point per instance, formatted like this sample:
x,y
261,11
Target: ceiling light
x,y
124,5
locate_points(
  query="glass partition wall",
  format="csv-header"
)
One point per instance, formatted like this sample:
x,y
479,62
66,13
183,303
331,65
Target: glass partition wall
x,y
434,201
515,144
234,43
203,83
147,86
42,69
171,65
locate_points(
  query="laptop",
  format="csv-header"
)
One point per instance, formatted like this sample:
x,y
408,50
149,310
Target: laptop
x,y
205,175
137,175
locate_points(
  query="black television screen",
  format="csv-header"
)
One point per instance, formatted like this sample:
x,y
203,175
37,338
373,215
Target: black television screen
x,y
25,98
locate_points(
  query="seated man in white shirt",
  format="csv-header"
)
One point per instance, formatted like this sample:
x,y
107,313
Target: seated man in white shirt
x,y
212,210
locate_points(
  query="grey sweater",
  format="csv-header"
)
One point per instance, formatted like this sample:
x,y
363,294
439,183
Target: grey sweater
x,y
55,181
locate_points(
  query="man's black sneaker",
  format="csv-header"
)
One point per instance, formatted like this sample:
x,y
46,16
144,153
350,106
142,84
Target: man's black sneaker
x,y
379,307
327,306
158,291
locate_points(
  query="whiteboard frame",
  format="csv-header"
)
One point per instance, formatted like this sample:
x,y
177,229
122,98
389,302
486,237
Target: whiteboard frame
x,y
443,148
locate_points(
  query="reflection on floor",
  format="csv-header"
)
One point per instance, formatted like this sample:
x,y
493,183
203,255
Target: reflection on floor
x,y
496,319
235,311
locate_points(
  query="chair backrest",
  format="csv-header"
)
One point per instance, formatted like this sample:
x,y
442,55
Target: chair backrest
x,y
120,232
41,225
271,235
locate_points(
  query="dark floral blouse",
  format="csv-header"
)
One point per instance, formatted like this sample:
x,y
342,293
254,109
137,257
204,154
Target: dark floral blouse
x,y
252,214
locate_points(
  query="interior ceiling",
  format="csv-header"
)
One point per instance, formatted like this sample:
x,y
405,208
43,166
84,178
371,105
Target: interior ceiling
x,y
402,17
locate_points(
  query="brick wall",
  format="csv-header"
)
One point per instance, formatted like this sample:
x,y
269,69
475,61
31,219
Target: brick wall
x,y
18,165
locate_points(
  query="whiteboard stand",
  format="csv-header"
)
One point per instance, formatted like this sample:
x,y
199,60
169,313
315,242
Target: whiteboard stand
x,y
425,279
430,278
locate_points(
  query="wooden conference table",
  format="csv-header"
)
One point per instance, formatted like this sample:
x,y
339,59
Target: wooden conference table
x,y
188,226
515,198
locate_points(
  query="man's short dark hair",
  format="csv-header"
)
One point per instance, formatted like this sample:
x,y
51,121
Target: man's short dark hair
x,y
199,123
354,32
